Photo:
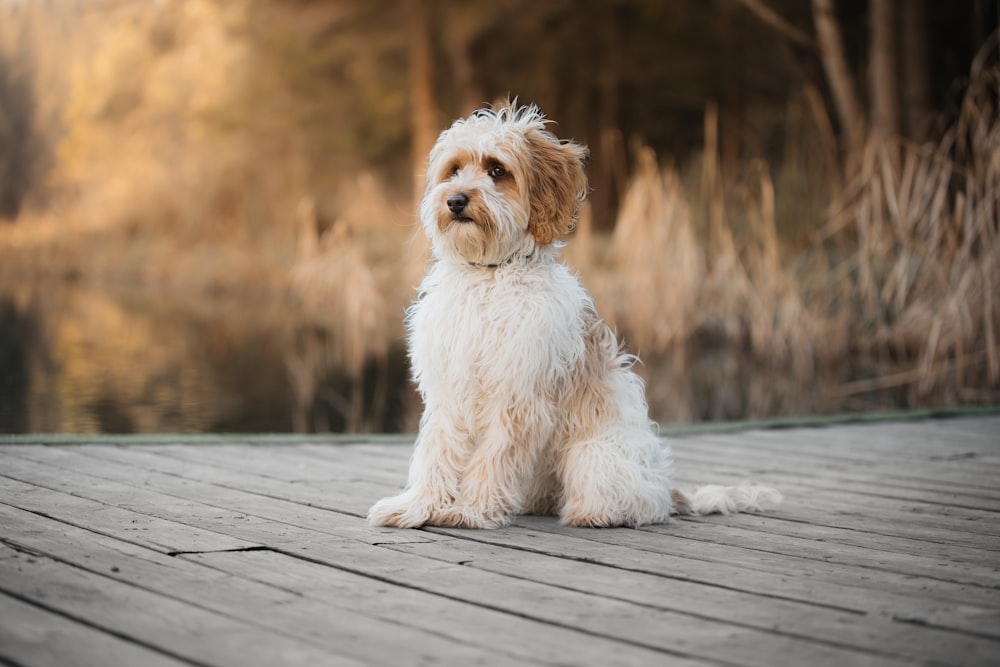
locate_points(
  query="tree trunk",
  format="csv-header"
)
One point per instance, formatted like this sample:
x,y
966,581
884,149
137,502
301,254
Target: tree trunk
x,y
982,26
732,104
424,110
470,94
463,24
914,71
884,73
775,20
607,148
831,50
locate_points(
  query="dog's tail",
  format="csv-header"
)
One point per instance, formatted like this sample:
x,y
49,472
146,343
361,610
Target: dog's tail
x,y
716,499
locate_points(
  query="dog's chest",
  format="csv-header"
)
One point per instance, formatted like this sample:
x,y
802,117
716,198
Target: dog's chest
x,y
494,336
465,329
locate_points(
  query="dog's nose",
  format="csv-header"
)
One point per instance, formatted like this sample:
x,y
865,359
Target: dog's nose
x,y
457,203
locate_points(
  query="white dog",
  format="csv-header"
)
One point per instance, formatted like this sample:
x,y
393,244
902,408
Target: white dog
x,y
530,404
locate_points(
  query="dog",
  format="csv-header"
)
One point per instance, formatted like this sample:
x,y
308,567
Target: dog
x,y
530,404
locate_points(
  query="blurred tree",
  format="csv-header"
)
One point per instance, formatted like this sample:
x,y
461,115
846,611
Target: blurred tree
x,y
461,24
16,139
37,40
423,107
141,139
897,56
328,81
915,73
884,69
838,74
289,96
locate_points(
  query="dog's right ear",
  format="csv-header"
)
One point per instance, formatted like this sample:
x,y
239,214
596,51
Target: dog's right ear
x,y
557,183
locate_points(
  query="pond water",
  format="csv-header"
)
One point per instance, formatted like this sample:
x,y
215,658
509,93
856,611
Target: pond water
x,y
88,360
78,359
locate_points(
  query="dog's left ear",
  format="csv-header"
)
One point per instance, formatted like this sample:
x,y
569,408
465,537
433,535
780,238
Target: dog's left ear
x,y
558,185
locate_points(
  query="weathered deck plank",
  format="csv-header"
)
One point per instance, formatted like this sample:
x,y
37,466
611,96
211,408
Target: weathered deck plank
x,y
31,635
182,630
887,551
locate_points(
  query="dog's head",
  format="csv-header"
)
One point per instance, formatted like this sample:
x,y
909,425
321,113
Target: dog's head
x,y
499,184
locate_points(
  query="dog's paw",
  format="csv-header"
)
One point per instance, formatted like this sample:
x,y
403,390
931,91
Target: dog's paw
x,y
593,520
403,511
470,517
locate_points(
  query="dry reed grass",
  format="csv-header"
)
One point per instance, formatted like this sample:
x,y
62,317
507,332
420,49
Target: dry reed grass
x,y
657,262
902,281
675,284
347,284
924,269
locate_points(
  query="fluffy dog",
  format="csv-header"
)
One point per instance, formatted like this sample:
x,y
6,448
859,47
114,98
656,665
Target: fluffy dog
x,y
530,404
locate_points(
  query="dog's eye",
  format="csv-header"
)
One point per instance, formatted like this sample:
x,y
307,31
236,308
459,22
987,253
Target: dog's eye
x,y
496,171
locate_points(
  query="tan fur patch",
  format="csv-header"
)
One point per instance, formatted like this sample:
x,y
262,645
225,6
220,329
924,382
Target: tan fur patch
x,y
557,185
681,503
591,404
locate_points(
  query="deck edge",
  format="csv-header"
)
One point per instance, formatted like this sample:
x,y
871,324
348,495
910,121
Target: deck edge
x,y
674,430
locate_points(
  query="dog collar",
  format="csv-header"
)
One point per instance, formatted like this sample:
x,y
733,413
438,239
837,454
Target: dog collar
x,y
503,263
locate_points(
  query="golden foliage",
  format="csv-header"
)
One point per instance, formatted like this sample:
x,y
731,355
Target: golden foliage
x,y
233,146
138,116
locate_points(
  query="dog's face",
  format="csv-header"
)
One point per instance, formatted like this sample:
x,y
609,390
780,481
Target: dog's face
x,y
499,184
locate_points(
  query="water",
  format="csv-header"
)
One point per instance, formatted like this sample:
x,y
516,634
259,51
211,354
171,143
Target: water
x,y
89,360
78,359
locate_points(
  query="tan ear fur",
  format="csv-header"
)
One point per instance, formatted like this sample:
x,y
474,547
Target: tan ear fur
x,y
558,185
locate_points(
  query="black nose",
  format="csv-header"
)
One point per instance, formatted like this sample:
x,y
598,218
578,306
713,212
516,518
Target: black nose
x,y
457,203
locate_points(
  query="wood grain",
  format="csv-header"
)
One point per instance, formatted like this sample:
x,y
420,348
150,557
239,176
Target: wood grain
x,y
230,552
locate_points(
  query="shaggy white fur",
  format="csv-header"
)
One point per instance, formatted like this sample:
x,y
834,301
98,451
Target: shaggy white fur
x,y
530,404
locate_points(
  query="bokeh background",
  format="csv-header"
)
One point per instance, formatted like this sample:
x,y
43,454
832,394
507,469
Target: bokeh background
x,y
207,206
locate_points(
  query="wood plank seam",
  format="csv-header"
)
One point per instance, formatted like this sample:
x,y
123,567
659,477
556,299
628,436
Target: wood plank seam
x,y
95,626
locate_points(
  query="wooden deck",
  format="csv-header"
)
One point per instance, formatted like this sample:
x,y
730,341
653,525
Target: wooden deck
x,y
886,552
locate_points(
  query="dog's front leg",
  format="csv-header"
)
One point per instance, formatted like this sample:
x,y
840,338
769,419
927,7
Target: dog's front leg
x,y
439,455
494,485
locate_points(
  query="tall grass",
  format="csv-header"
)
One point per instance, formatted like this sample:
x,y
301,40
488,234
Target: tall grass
x,y
657,259
702,257
350,283
900,282
922,224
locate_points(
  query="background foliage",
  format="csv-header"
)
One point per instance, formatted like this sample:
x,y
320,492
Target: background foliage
x,y
801,182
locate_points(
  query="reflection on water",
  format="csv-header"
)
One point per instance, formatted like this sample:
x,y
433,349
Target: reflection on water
x,y
87,360
95,361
